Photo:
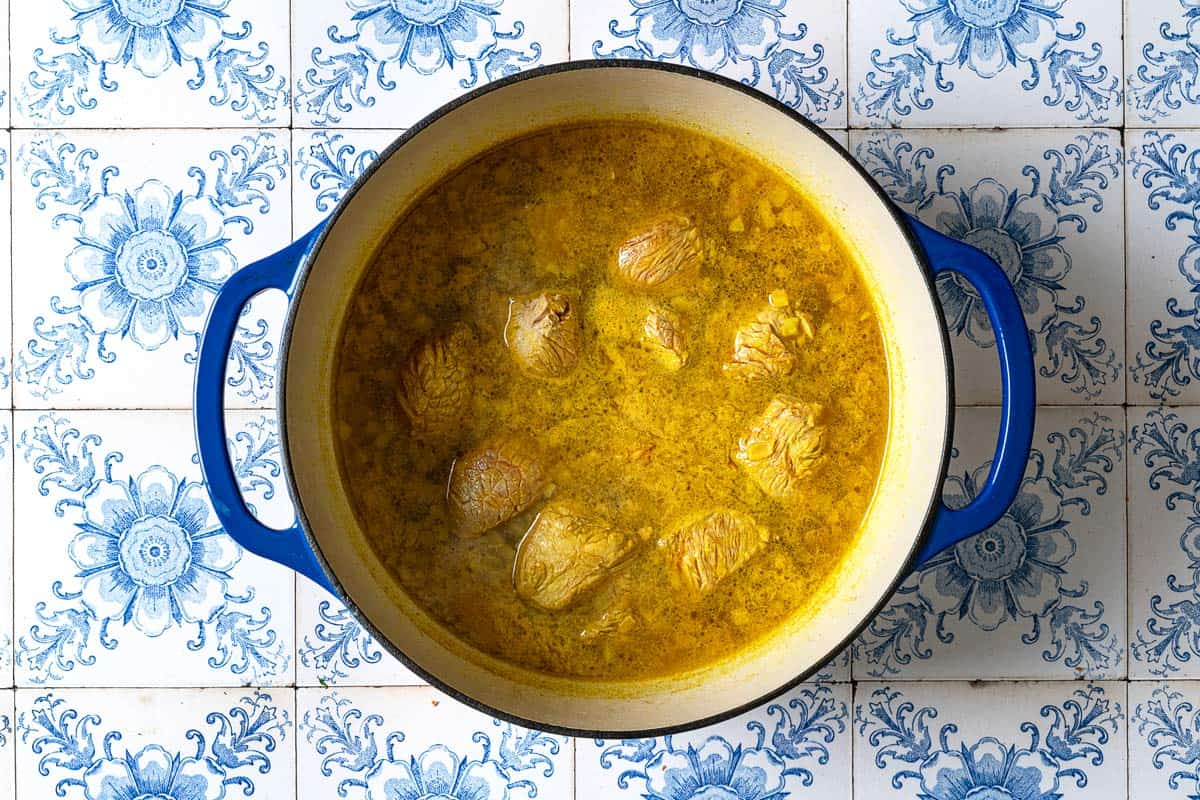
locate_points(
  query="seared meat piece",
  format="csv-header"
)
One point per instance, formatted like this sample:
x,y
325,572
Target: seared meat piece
x,y
765,346
782,446
435,383
665,249
494,482
664,333
706,548
565,552
543,333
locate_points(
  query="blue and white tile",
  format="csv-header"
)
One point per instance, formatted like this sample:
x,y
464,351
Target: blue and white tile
x,y
1163,222
123,575
796,746
388,63
326,164
6,349
122,241
333,648
961,741
1164,554
981,63
146,63
5,93
6,550
1162,63
87,744
1164,725
8,755
415,742
790,49
1040,594
1047,204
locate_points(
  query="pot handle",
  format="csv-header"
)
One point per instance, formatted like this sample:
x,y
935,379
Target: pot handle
x,y
1019,405
289,546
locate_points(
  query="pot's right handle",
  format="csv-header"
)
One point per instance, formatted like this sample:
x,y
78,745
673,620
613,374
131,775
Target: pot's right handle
x,y
288,547
1018,407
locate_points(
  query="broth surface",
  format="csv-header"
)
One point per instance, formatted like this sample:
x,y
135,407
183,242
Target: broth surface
x,y
694,453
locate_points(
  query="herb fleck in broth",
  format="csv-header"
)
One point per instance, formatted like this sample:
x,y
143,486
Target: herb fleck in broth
x,y
646,349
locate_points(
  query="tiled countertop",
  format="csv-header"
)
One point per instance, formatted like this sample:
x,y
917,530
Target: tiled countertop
x,y
210,132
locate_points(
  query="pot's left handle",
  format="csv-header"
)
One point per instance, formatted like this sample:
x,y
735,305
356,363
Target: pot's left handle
x,y
1018,406
289,546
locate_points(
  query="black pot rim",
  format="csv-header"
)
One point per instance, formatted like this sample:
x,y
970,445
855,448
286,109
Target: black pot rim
x,y
932,504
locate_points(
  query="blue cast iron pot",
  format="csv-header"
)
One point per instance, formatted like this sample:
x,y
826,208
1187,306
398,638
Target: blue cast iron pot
x,y
906,524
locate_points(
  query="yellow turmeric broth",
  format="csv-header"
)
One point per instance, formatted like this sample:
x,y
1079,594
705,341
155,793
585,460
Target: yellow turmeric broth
x,y
612,401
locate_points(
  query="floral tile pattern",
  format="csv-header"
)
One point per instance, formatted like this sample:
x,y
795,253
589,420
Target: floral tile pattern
x,y
157,146
387,63
132,233
792,50
929,741
1162,63
416,743
1163,724
1021,63
196,63
88,744
1047,205
796,745
1162,174
1162,550
8,773
130,566
1040,594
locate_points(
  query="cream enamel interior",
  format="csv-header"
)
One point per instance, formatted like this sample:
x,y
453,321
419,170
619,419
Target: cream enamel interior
x,y
919,405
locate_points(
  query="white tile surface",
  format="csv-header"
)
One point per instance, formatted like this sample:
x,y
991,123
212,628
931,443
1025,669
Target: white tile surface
x,y
938,63
109,590
8,748
96,334
1161,542
106,64
1048,204
1161,165
366,64
139,743
1163,724
1158,58
1041,594
967,740
793,51
311,641
797,745
419,743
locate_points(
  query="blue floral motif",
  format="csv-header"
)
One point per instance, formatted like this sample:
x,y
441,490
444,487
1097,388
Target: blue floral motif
x,y
1013,572
987,38
1171,725
718,768
346,740
394,36
147,555
152,37
1170,360
223,760
338,644
739,37
1025,233
989,769
1171,636
330,165
148,558
147,261
1169,74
